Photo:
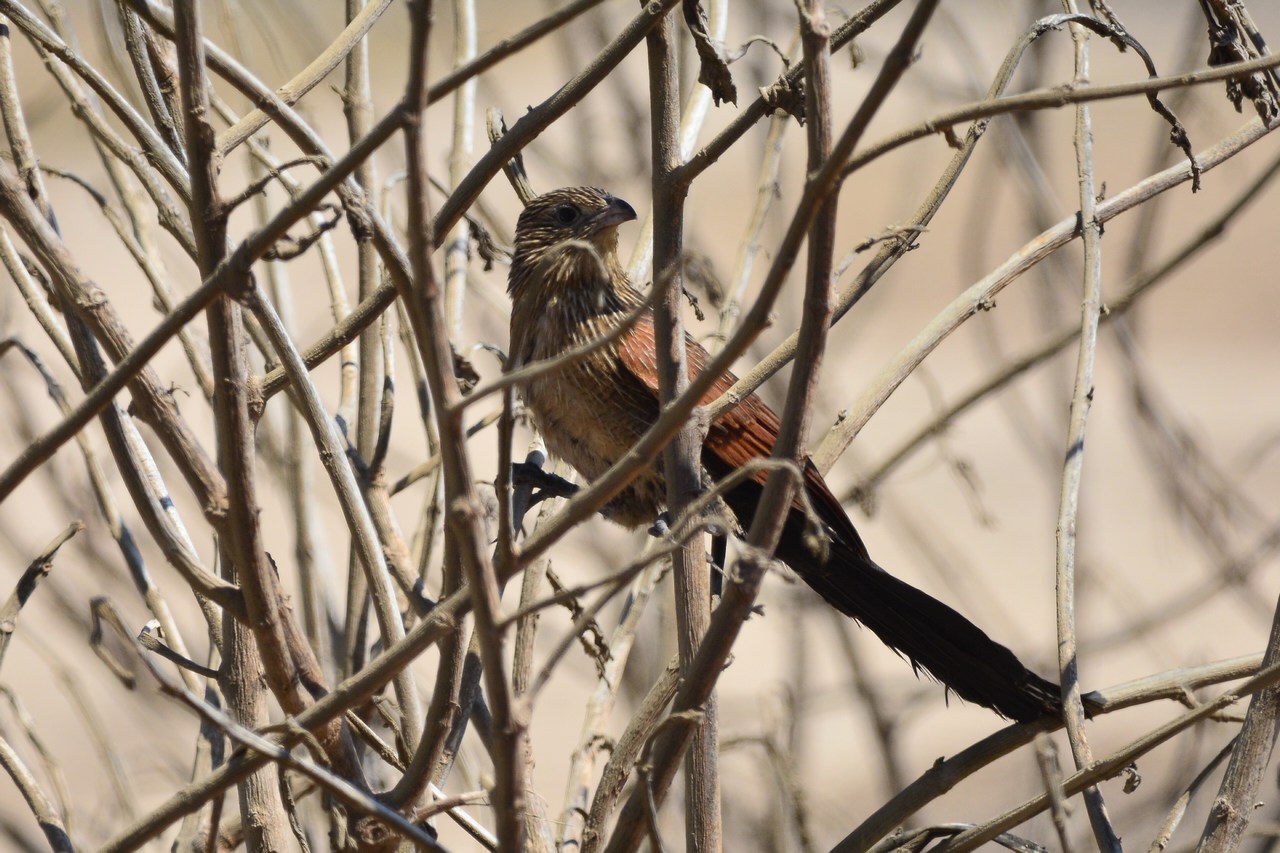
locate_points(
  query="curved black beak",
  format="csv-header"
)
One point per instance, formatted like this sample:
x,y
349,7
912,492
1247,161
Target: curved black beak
x,y
616,213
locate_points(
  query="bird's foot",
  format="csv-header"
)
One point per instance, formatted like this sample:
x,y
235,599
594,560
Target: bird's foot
x,y
545,484
661,526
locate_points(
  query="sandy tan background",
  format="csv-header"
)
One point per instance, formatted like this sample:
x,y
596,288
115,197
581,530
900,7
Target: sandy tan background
x,y
1208,347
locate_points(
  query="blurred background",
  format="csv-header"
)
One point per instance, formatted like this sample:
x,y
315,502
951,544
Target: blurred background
x,y
1178,526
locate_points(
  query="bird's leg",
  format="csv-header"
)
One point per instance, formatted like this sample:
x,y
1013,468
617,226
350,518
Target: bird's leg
x,y
661,525
719,549
719,558
548,485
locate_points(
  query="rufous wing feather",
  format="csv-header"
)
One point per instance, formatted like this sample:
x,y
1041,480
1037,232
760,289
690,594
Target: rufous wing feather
x,y
741,435
932,635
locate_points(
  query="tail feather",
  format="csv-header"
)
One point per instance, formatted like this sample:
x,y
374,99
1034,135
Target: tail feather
x,y
929,634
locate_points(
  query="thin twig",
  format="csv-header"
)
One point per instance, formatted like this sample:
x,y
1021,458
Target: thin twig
x,y
978,296
1073,466
35,572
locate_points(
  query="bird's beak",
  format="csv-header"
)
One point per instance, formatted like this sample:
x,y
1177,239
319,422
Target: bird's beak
x,y
616,213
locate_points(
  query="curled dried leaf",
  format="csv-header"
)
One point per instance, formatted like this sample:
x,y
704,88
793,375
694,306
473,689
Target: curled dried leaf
x,y
714,63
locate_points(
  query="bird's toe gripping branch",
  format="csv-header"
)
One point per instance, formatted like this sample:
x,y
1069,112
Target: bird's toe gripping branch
x,y
546,484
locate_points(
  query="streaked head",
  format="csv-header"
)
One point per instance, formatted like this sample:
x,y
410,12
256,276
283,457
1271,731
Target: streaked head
x,y
571,213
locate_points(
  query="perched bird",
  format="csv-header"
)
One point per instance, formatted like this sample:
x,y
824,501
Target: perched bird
x,y
567,288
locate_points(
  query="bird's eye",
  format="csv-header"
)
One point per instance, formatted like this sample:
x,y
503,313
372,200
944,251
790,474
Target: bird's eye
x,y
566,214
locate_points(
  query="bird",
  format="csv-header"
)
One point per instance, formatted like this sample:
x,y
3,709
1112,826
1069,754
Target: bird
x,y
568,288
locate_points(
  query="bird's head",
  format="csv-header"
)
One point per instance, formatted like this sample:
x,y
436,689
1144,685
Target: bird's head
x,y
582,216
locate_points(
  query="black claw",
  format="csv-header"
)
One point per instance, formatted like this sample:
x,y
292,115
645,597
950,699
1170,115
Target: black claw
x,y
661,526
546,484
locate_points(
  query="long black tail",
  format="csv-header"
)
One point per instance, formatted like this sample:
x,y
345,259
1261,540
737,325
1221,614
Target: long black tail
x,y
933,636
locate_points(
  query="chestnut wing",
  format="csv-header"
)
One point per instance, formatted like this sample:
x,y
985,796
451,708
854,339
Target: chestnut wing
x,y
744,433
